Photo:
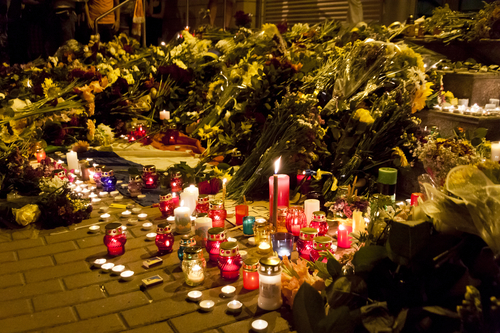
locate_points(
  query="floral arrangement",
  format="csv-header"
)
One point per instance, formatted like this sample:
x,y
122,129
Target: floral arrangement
x,y
294,275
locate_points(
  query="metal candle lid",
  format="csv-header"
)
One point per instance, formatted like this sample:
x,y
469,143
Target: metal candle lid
x,y
216,204
251,265
319,216
322,243
113,229
163,228
270,265
308,234
216,234
192,253
176,174
98,168
228,249
135,177
166,197
149,168
187,240
107,173
203,199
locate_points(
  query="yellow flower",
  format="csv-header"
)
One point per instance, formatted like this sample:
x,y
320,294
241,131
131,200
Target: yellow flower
x,y
91,128
364,116
50,89
402,157
421,96
320,174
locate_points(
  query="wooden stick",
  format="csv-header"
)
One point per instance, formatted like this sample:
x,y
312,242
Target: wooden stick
x,y
245,200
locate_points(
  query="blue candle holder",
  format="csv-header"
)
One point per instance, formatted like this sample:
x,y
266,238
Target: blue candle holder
x,y
282,244
186,241
248,222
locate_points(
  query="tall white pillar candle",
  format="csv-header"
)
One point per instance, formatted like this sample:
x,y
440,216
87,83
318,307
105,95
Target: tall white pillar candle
x,y
310,206
190,197
495,151
72,159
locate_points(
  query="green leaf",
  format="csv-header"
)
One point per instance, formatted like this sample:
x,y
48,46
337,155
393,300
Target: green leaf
x,y
365,259
407,239
334,268
339,320
308,309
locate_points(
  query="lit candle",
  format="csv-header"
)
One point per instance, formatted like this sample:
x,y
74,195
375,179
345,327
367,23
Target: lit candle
x,y
196,275
103,194
105,217
310,206
228,291
85,193
127,275
224,192
72,159
126,213
142,216
281,193
182,219
119,198
164,115
264,248
147,225
343,232
358,223
495,151
202,224
190,197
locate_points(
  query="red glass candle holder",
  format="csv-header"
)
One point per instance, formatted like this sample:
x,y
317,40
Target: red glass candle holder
x,y
175,200
216,236
202,205
343,239
251,273
40,155
319,222
164,238
321,244
229,261
115,239
295,220
149,177
217,213
240,212
176,182
166,205
305,242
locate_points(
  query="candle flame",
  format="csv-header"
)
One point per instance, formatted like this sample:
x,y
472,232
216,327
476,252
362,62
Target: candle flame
x,y
277,165
303,172
174,195
224,181
191,186
341,227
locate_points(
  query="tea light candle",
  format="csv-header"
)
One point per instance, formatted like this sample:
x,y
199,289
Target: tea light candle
x,y
124,185
132,221
243,254
136,210
231,239
99,262
105,217
127,275
264,247
94,229
151,236
147,225
171,220
259,325
103,194
234,306
92,195
141,196
107,266
118,269
228,291
207,305
96,202
142,216
164,115
126,213
251,241
194,295
85,193
103,209
177,147
114,193
118,198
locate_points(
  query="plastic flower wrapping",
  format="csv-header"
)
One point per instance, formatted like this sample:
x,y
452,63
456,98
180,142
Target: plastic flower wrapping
x,y
294,275
26,214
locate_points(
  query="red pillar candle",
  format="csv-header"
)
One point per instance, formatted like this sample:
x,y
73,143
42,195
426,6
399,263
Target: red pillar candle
x,y
283,191
166,205
319,222
321,244
303,180
240,212
343,239
229,261
216,236
251,274
414,198
217,213
164,238
115,239
305,242
295,220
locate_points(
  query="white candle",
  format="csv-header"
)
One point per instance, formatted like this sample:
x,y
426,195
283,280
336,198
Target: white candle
x,y
99,262
228,291
118,269
207,305
182,219
72,158
105,217
196,274
107,266
234,306
126,213
259,325
103,194
151,236
142,216
358,223
94,229
164,115
127,275
119,198
495,151
85,193
310,206
190,198
224,181
147,225
194,295
114,193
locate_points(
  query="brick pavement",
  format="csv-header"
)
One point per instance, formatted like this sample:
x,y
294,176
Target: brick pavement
x,y
48,284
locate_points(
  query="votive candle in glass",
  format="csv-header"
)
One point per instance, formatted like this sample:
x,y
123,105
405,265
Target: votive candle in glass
x,y
319,222
135,185
343,239
201,226
262,231
321,244
295,220
149,176
281,221
282,244
414,198
240,212
305,242
248,222
217,213
97,175
166,205
186,241
182,220
164,238
216,236
269,284
115,239
108,180
202,206
40,154
176,182
229,261
193,266
251,274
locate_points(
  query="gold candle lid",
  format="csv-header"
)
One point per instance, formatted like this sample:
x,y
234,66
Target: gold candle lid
x,y
163,228
216,204
203,199
228,249
319,215
188,240
270,265
113,229
216,234
251,264
322,243
308,234
193,252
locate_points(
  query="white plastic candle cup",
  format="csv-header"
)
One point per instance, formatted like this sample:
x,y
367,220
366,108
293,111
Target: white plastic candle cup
x,y
107,266
103,194
127,275
124,185
103,209
119,181
147,225
132,221
259,326
118,269
243,254
177,147
171,219
136,210
207,305
142,216
114,193
93,195
194,296
118,198
141,196
231,239
126,213
234,306
105,217
251,241
94,229
228,291
99,262
96,202
151,236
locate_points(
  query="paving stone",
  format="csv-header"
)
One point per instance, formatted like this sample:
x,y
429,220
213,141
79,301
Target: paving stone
x,y
25,233
120,287
199,322
67,236
5,237
31,289
111,304
7,256
20,244
58,271
88,254
87,279
46,250
65,298
162,327
24,265
11,280
132,242
109,323
14,308
276,324
37,320
158,311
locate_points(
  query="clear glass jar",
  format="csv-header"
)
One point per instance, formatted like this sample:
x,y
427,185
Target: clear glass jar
x,y
305,242
186,241
149,177
251,274
295,220
115,239
229,261
217,213
262,231
193,265
176,182
216,236
281,221
269,284
321,244
164,238
319,222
